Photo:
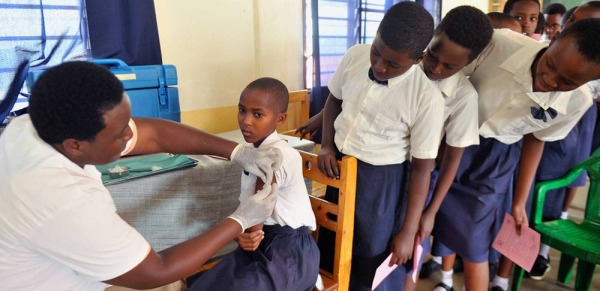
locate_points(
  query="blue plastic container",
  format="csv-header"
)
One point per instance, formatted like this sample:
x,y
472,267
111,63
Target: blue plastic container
x,y
151,88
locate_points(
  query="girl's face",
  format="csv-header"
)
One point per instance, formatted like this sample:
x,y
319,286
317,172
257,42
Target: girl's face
x,y
526,13
563,68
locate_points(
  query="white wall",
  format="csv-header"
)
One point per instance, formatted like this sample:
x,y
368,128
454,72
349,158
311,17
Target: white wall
x,y
447,5
220,46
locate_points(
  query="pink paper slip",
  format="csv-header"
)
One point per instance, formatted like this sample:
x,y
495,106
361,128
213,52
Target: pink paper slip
x,y
417,258
521,249
383,271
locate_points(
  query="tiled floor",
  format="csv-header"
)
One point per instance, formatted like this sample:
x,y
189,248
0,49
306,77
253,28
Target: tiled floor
x,y
548,284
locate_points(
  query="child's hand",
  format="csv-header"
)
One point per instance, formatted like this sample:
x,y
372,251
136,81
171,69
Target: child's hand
x,y
520,216
426,224
402,248
328,163
249,241
312,126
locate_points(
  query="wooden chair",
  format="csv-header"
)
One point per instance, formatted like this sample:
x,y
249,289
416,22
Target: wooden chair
x,y
344,210
572,239
296,118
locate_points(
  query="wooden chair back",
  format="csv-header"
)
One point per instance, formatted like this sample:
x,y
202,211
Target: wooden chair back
x,y
298,107
344,210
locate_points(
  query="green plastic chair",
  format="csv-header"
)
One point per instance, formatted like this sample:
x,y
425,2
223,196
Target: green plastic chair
x,y
573,240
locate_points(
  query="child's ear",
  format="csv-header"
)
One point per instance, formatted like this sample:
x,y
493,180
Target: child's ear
x,y
281,117
419,58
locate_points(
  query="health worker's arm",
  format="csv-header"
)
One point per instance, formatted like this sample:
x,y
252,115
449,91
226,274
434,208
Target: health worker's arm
x,y
180,261
159,135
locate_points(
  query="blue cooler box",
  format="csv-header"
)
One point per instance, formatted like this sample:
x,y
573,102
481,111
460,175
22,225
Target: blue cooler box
x,y
150,88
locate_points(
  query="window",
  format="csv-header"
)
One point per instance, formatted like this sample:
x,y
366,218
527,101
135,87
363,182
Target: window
x,y
332,27
36,35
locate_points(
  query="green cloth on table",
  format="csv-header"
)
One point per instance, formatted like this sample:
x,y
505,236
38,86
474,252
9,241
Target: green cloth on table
x,y
145,165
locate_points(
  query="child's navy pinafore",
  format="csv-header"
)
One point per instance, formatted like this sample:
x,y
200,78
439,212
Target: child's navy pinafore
x,y
466,220
379,214
286,259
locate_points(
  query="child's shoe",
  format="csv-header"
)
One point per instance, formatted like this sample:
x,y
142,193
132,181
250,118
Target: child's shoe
x,y
442,287
540,268
429,268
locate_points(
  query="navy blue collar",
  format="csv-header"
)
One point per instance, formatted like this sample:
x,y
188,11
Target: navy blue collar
x,y
372,77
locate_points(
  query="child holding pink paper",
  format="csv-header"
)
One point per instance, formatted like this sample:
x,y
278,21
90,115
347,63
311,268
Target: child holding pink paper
x,y
528,94
383,109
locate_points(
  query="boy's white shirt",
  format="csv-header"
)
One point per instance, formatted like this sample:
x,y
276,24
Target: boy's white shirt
x,y
594,87
385,124
502,77
293,207
460,110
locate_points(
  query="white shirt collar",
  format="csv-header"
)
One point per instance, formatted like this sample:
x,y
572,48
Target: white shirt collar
x,y
396,80
272,138
449,86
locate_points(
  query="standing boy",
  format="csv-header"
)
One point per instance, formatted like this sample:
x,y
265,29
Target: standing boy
x,y
383,108
461,36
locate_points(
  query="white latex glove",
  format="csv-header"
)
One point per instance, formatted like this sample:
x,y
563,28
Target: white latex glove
x,y
256,208
260,162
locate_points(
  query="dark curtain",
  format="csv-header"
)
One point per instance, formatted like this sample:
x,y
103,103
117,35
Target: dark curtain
x,y
126,30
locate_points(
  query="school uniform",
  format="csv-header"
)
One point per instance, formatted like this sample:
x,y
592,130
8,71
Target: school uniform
x,y
288,257
460,126
382,125
508,110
